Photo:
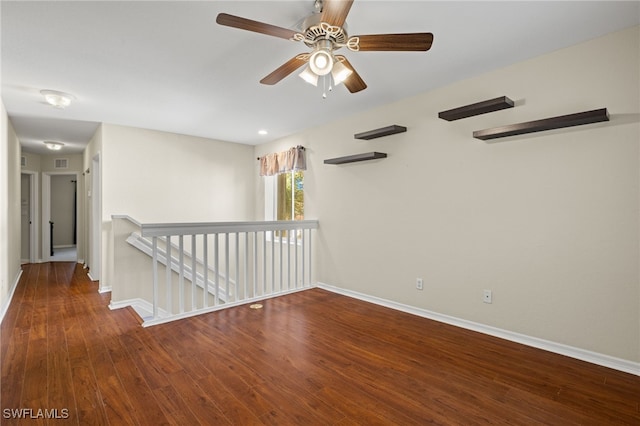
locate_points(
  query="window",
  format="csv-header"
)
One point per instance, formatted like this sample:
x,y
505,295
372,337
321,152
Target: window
x,y
284,196
290,196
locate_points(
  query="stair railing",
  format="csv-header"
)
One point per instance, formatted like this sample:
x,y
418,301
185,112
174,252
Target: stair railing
x,y
203,267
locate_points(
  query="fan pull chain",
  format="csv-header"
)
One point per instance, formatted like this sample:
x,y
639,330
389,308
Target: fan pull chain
x,y
324,87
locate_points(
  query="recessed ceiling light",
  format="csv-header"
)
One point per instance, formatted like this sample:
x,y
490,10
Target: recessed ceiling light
x,y
54,146
57,99
262,132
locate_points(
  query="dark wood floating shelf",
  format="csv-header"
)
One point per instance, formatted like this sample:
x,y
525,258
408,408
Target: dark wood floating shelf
x,y
355,158
378,133
578,119
476,109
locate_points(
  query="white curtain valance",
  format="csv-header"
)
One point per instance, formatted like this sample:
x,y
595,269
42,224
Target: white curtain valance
x,y
283,162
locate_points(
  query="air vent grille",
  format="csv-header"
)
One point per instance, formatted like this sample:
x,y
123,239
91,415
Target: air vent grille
x,y
61,163
23,161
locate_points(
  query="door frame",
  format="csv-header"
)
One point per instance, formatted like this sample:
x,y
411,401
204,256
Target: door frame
x,y
33,214
95,252
46,211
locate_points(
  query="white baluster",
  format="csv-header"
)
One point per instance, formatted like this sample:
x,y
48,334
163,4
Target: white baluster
x,y
246,262
289,259
216,269
264,262
205,271
194,272
154,242
281,262
168,271
273,262
226,268
181,273
295,268
237,280
302,243
310,257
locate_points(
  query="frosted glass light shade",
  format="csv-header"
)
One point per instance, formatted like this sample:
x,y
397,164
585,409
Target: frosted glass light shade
x,y
57,99
321,62
54,146
340,73
309,76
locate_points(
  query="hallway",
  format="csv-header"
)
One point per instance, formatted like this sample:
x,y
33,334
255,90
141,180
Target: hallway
x,y
66,254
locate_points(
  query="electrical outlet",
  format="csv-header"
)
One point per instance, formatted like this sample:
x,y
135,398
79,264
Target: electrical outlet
x,y
486,296
419,283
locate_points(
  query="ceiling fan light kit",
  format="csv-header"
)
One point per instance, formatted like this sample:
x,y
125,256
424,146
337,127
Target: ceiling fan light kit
x,y
325,32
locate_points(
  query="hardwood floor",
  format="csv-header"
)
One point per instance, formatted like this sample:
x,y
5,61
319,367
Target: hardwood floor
x,y
308,358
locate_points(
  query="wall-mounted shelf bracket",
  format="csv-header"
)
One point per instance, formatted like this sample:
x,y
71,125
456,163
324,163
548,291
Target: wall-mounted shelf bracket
x,y
578,119
378,133
478,108
356,157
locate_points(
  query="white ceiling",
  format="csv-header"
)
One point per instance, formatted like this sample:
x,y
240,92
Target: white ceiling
x,y
169,66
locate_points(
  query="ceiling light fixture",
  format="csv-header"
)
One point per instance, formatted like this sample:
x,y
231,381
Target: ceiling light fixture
x,y
321,61
340,73
263,132
57,99
309,76
54,146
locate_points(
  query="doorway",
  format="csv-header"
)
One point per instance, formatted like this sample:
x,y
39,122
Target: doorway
x,y
60,217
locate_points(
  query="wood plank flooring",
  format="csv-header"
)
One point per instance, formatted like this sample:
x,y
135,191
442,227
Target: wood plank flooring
x,y
304,359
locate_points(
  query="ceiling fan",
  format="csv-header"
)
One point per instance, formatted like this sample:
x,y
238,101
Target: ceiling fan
x,y
325,32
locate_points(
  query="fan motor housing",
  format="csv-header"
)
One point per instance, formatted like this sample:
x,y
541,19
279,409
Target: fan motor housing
x,y
318,30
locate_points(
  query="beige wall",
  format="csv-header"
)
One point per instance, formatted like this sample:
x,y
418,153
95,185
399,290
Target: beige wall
x,y
548,221
94,148
9,209
163,177
34,162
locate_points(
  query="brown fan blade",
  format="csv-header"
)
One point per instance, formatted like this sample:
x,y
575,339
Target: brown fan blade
x,y
284,70
354,83
397,42
255,26
334,12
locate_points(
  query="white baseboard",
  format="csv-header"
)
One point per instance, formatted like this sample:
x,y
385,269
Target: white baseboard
x,y
143,308
90,277
12,290
104,289
559,348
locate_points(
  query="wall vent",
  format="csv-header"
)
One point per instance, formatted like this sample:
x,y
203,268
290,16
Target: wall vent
x,y
61,163
23,161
